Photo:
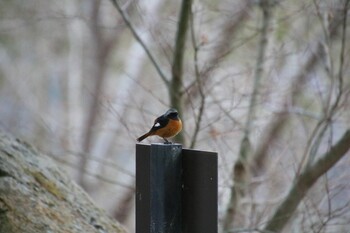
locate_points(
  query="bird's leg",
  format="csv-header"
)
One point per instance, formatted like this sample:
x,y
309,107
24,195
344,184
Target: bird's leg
x,y
166,141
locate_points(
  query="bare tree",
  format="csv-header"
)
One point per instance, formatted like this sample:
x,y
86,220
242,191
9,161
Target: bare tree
x,y
101,49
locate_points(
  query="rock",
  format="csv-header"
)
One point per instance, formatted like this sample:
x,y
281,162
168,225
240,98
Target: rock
x,y
36,196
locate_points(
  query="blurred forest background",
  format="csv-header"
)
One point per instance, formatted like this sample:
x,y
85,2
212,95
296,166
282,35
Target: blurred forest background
x,y
263,83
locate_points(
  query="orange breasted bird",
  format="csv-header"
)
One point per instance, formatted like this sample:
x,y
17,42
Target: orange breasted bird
x,y
166,126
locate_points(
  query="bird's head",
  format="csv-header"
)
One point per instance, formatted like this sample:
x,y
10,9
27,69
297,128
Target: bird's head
x,y
172,114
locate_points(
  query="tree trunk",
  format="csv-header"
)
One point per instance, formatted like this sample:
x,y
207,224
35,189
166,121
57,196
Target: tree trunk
x,y
36,196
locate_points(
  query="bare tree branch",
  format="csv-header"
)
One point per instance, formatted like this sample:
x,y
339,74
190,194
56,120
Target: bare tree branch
x,y
222,47
100,55
199,83
257,163
266,8
323,124
342,55
304,182
138,39
240,170
176,83
312,172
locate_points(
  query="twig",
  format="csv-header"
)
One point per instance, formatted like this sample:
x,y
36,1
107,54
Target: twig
x,y
89,173
314,140
100,56
199,83
177,67
276,125
342,56
305,181
240,168
259,66
138,39
222,47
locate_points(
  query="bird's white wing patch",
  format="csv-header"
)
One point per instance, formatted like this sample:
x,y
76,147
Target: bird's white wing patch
x,y
156,124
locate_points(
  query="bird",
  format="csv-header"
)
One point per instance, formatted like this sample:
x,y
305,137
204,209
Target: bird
x,y
166,126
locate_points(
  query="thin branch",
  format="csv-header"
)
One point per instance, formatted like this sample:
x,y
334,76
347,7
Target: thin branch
x,y
276,125
89,173
176,82
223,48
101,161
199,83
239,168
265,6
342,56
315,139
305,181
317,142
138,39
99,58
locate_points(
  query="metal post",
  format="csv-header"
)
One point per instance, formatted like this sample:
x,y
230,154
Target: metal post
x,y
176,190
200,191
158,188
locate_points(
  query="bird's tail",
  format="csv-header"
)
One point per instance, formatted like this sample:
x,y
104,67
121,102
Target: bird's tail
x,y
144,136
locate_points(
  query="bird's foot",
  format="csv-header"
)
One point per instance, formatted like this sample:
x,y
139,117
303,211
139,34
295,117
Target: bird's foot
x,y
166,141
